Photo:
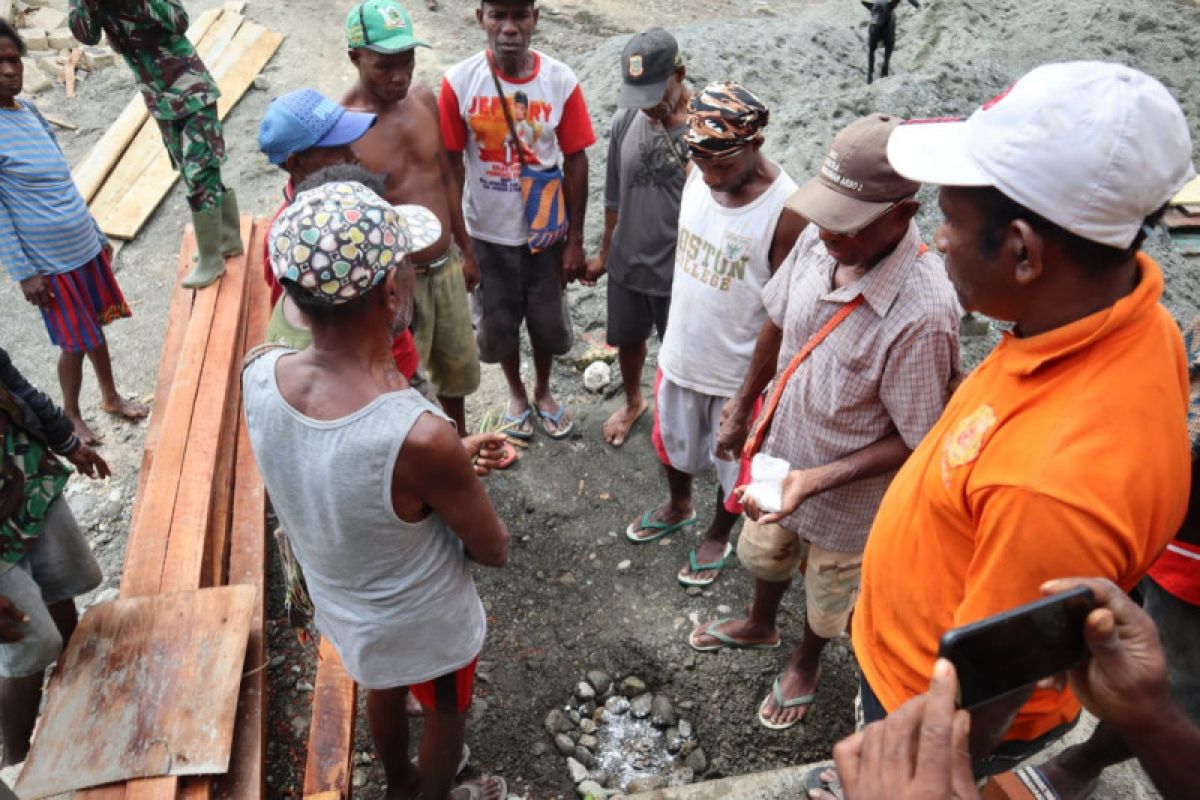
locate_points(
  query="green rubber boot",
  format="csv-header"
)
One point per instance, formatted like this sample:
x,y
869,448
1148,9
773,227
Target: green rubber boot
x,y
210,263
231,226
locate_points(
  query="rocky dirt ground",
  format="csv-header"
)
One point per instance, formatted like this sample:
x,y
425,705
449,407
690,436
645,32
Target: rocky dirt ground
x,y
576,597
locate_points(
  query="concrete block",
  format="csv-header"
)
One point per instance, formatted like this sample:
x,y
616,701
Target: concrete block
x,y
60,39
48,19
34,38
95,58
35,79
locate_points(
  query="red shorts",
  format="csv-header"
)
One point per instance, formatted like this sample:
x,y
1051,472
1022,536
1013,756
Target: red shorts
x,y
451,692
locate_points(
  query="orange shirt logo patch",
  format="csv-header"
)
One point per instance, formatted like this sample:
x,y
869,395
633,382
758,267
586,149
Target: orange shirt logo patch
x,y
962,445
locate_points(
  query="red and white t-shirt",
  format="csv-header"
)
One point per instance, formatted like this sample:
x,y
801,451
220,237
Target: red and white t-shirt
x,y
551,120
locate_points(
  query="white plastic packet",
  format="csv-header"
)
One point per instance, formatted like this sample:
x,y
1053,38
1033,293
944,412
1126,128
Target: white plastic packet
x,y
766,481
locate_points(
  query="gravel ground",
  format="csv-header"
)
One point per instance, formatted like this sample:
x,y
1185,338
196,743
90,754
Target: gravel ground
x,y
576,597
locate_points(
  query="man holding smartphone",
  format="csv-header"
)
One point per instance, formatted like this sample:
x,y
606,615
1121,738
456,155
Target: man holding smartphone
x,y
1065,452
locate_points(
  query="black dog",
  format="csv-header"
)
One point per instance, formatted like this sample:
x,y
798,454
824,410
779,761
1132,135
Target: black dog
x,y
882,30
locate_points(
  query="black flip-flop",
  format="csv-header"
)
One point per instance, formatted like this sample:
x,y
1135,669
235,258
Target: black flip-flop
x,y
823,783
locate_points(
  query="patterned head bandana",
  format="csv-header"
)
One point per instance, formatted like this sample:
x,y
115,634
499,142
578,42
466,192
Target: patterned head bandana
x,y
724,118
338,241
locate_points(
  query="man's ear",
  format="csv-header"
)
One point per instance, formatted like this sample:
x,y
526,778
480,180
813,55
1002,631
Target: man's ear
x,y
354,56
680,73
906,210
868,5
537,15
1025,249
479,15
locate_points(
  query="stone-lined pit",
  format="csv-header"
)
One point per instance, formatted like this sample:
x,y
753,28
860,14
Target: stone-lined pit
x,y
620,738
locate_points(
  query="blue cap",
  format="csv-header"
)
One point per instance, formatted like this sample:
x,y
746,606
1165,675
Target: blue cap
x,y
304,119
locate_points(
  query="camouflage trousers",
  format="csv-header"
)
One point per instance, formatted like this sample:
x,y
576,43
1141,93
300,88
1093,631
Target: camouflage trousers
x,y
197,150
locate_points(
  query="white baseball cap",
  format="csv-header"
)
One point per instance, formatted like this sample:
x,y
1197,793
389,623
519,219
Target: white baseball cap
x,y
1093,147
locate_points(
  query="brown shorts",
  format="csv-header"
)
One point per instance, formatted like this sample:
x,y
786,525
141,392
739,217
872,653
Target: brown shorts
x,y
831,579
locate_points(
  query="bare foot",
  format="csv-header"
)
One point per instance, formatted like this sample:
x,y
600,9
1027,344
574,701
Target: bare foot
x,y
742,631
710,551
126,408
638,531
617,427
491,788
793,684
85,434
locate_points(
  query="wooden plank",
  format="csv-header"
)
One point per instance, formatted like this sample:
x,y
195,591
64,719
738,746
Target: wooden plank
x,y
222,501
117,711
331,737
146,144
146,547
247,565
187,540
90,173
132,208
177,317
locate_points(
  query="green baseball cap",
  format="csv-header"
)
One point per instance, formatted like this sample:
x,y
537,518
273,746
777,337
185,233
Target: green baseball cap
x,y
383,26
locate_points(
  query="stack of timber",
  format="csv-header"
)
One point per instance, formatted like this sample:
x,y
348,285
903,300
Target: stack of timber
x,y
199,521
1183,219
128,172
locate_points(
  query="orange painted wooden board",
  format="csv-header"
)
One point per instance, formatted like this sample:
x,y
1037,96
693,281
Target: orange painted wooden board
x,y
247,566
146,547
177,318
331,736
187,543
117,711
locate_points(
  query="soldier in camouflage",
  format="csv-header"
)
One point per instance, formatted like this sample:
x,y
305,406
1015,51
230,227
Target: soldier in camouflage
x,y
182,97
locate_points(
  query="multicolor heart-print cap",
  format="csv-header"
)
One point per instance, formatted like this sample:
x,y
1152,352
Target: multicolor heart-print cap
x,y
338,241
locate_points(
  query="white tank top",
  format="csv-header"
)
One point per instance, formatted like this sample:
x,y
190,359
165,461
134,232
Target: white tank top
x,y
721,267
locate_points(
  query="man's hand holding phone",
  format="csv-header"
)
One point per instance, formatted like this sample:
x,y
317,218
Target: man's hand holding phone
x,y
1123,677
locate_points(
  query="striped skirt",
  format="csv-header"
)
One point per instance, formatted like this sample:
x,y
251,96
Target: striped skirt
x,y
84,300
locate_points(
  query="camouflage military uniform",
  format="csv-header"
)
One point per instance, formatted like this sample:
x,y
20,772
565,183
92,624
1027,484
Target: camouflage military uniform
x,y
179,92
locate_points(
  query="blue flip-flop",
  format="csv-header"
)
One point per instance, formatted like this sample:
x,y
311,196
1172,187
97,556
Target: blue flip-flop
x,y
688,580
782,704
554,417
724,641
661,528
518,431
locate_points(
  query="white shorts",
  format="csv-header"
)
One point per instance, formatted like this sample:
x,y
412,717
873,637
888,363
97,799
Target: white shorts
x,y
686,424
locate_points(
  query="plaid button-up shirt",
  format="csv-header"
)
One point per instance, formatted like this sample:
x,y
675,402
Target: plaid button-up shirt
x,y
887,368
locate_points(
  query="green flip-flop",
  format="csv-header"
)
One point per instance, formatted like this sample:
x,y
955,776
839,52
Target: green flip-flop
x,y
688,580
802,700
661,528
710,629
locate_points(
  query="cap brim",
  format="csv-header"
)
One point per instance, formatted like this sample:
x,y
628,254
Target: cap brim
x,y
834,211
934,152
421,227
397,44
642,95
349,129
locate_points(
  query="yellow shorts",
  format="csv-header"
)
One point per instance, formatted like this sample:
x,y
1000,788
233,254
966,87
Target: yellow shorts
x,y
442,329
831,579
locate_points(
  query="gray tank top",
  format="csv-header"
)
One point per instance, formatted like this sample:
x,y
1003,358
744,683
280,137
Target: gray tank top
x,y
396,598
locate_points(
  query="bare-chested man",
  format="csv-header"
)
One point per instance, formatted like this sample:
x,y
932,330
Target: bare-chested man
x,y
405,145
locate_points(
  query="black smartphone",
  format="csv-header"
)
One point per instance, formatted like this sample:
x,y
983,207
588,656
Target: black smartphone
x,y
1019,647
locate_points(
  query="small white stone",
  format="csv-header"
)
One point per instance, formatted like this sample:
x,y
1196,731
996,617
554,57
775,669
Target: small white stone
x,y
578,771
624,565
597,376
